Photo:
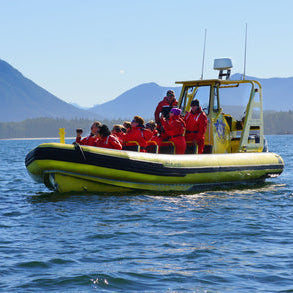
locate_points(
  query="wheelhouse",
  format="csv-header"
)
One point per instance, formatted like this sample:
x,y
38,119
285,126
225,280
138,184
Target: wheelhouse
x,y
234,111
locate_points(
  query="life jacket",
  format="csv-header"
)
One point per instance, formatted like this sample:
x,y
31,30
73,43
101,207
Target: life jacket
x,y
110,142
175,129
119,135
160,106
136,134
89,140
148,134
196,124
174,126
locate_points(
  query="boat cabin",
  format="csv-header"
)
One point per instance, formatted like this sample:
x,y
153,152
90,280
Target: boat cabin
x,y
233,108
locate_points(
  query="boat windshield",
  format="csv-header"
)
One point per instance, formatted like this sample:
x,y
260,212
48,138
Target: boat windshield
x,y
233,100
202,93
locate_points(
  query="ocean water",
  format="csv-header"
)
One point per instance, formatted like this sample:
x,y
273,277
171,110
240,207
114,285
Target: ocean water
x,y
223,240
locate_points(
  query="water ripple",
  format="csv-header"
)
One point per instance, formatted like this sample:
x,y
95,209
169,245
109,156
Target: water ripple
x,y
220,240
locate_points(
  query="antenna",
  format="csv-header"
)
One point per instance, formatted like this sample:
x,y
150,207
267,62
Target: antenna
x,y
243,77
203,54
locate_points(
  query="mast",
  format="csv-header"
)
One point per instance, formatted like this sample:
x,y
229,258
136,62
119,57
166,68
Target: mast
x,y
243,77
203,54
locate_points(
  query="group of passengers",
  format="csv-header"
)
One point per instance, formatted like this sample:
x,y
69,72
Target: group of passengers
x,y
169,126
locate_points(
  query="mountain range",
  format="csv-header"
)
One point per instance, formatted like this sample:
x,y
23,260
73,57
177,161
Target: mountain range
x,y
22,99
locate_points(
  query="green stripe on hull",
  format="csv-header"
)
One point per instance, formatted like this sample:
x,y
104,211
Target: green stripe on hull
x,y
64,168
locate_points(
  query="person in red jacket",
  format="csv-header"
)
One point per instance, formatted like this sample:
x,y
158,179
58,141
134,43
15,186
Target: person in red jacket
x,y
150,130
136,133
168,101
117,131
107,140
196,125
90,139
126,126
175,128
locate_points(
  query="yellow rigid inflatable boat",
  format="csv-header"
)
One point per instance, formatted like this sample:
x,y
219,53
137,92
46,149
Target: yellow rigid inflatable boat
x,y
67,168
235,149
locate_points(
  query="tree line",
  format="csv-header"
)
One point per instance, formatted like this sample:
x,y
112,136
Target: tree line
x,y
274,123
278,122
47,127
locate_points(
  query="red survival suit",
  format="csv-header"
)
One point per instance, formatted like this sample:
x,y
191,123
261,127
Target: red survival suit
x,y
109,142
196,125
89,140
148,134
167,101
136,134
175,128
120,135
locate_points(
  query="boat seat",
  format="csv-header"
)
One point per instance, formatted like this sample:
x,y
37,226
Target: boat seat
x,y
131,145
207,149
239,125
152,147
191,148
167,147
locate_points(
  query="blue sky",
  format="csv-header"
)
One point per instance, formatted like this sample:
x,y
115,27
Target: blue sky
x,y
90,51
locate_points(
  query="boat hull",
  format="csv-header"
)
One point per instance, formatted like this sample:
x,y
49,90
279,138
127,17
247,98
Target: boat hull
x,y
66,168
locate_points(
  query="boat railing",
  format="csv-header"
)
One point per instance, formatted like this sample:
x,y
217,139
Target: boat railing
x,y
131,145
167,147
152,147
253,122
191,147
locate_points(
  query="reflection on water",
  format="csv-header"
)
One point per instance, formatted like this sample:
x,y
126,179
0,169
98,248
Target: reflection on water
x,y
196,197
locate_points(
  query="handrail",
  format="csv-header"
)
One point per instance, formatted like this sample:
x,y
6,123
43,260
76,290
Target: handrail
x,y
166,142
126,143
154,144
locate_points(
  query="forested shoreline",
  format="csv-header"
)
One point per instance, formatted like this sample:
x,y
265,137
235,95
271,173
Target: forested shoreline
x,y
274,123
48,127
278,122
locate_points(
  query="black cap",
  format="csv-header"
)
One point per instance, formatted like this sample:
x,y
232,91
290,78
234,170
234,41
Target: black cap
x,y
195,103
170,93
